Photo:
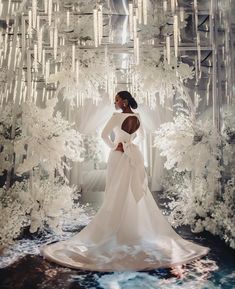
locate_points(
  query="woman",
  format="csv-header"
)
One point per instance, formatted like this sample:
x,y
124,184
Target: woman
x,y
128,232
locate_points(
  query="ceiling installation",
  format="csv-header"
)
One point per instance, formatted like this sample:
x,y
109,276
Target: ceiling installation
x,y
86,49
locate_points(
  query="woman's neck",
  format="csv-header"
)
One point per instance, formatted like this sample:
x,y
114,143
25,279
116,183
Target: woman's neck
x,y
126,110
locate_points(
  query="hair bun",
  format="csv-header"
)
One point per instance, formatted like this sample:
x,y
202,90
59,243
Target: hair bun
x,y
133,103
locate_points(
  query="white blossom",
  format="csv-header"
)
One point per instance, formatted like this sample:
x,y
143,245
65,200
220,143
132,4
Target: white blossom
x,y
47,139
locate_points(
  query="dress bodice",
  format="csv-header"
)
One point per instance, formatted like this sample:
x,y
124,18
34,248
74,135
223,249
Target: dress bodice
x,y
115,124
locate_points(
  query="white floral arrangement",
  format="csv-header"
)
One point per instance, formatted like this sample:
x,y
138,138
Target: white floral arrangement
x,y
6,137
40,205
37,144
47,140
90,79
155,76
193,152
13,214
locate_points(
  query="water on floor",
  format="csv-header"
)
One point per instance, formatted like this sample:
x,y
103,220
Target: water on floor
x,y
23,268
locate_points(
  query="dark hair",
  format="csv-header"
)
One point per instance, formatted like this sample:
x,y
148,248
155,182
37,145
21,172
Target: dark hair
x,y
130,99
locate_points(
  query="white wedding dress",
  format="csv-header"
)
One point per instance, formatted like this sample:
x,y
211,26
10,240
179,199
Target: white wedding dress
x,y
129,231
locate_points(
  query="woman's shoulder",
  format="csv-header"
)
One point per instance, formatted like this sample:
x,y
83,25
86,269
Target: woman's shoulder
x,y
121,113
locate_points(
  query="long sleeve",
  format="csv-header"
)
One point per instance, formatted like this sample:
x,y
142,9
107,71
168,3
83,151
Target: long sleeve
x,y
107,130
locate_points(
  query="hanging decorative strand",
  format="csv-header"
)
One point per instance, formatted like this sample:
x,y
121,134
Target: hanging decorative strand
x,y
140,10
172,6
55,42
176,35
30,24
43,61
134,27
73,57
197,37
137,50
95,27
40,45
165,6
100,24
145,11
35,54
49,11
1,5
51,36
168,49
181,14
47,70
45,6
34,11
77,71
131,20
68,19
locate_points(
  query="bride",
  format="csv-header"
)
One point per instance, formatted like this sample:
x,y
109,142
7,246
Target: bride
x,y
128,232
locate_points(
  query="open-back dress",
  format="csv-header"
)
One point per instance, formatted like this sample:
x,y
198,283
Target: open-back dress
x,y
129,231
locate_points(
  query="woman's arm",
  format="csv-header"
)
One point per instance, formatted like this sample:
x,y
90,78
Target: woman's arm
x,y
107,130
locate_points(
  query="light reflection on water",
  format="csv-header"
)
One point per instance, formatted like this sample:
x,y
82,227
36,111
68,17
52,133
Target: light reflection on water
x,y
195,276
216,270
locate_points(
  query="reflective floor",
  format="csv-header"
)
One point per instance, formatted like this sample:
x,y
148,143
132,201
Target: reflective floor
x,y
23,268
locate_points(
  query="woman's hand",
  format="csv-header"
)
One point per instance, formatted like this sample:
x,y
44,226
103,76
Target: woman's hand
x,y
119,147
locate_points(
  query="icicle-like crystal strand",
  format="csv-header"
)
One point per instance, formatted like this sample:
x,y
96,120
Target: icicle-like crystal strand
x,y
95,26
55,42
208,91
134,27
49,11
1,5
36,94
43,61
35,55
34,11
15,90
9,7
140,10
40,45
181,14
47,70
100,24
77,71
9,56
68,18
197,37
173,6
73,57
168,48
77,100
196,69
16,58
176,35
46,6
137,50
30,24
38,24
165,6
131,20
43,94
51,36
145,12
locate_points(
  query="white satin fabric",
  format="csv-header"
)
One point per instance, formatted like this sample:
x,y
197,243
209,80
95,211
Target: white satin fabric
x,y
128,232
